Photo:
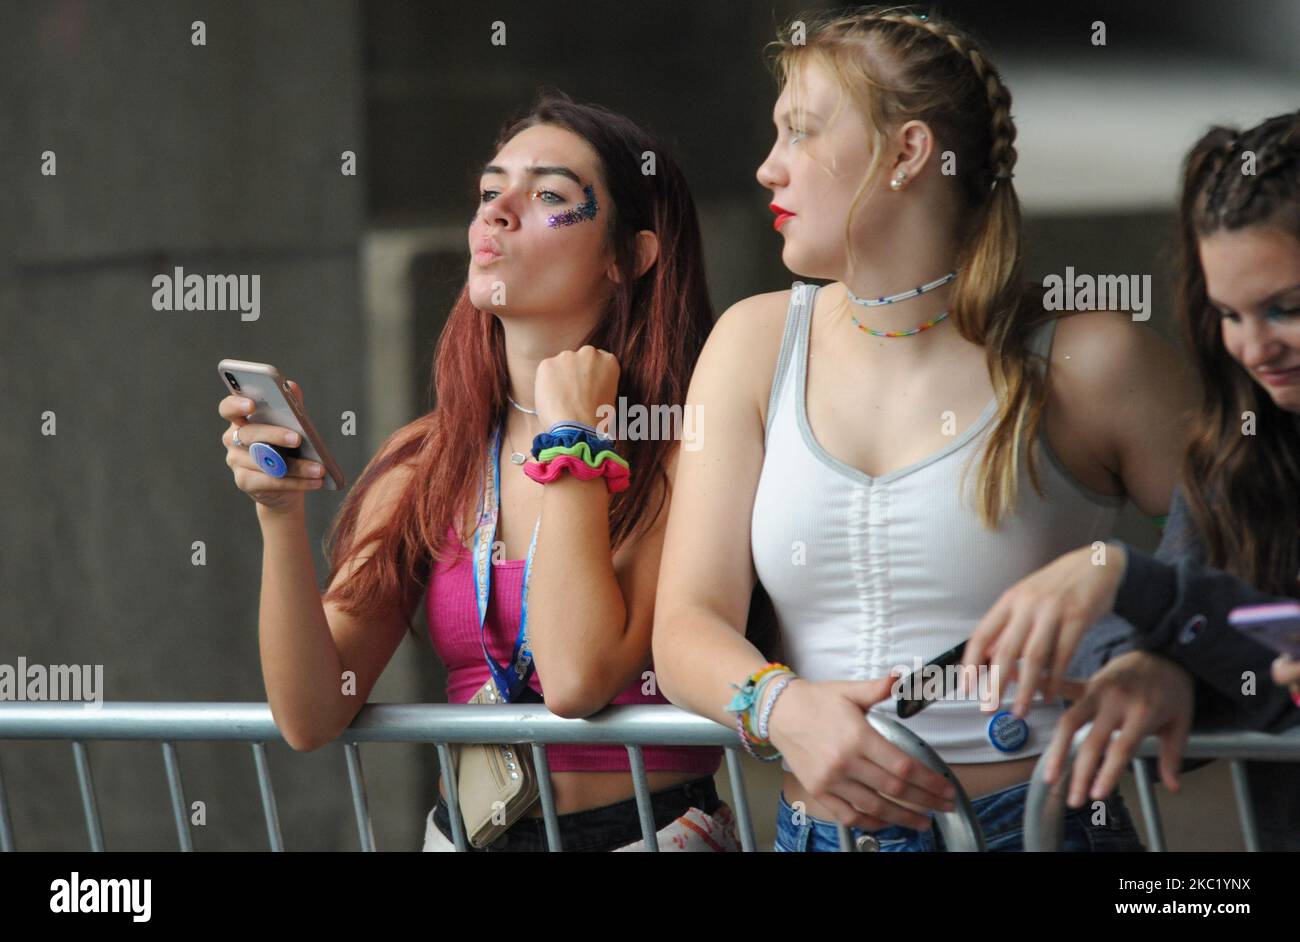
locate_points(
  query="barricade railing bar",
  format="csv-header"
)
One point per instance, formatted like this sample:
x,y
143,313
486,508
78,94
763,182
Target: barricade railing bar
x,y
631,726
1045,804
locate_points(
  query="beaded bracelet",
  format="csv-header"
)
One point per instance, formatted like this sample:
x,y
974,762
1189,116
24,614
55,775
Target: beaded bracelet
x,y
757,726
749,743
744,697
779,686
747,696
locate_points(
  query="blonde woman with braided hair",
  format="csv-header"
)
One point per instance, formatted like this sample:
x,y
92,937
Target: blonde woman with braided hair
x,y
889,451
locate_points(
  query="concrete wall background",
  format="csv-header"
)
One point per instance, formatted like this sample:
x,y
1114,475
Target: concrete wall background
x,y
221,158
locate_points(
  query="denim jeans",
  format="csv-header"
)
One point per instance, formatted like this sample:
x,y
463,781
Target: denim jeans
x,y
1001,818
599,829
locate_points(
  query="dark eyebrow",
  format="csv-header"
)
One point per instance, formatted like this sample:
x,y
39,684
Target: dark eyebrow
x,y
536,171
1272,297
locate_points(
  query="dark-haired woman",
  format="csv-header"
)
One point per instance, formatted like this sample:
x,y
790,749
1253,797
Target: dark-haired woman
x,y
585,289
1233,535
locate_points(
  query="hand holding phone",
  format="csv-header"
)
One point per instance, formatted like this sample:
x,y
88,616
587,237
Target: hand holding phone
x,y
1276,625
912,700
269,465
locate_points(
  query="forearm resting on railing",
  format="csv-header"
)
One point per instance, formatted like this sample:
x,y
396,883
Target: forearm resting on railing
x,y
301,667
697,658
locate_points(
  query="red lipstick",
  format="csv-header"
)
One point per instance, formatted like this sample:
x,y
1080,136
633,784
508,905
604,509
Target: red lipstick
x,y
781,215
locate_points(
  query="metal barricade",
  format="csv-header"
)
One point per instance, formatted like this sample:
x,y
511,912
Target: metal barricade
x,y
960,828
1045,805
632,726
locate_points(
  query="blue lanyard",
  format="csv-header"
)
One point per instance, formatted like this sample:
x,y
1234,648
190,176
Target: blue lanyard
x,y
512,679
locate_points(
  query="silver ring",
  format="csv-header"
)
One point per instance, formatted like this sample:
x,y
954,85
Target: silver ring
x,y
235,438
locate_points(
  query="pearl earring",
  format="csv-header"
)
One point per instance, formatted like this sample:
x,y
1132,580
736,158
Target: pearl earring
x,y
897,182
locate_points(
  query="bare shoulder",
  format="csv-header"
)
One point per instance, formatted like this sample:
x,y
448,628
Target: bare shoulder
x,y
1103,356
744,345
753,325
1121,388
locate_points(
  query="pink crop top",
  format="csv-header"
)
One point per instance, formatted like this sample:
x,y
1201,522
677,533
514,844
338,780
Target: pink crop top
x,y
454,631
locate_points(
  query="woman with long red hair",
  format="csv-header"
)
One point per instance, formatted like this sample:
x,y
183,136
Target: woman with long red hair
x,y
585,288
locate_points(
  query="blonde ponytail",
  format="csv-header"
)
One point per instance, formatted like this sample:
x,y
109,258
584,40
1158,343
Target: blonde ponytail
x,y
897,65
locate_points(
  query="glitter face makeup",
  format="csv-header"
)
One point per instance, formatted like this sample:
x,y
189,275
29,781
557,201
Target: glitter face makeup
x,y
586,210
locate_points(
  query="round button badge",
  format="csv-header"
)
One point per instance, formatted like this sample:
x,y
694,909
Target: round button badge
x,y
1007,731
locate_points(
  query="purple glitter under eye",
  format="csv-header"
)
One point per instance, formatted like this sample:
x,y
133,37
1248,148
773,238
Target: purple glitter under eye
x,y
585,211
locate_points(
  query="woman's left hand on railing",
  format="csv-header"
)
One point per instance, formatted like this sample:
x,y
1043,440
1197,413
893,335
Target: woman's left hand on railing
x,y
1042,619
1138,693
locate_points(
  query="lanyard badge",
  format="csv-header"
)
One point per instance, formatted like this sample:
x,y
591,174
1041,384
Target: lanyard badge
x,y
512,679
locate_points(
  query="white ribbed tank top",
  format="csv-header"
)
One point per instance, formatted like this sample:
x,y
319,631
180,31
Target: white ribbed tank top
x,y
869,573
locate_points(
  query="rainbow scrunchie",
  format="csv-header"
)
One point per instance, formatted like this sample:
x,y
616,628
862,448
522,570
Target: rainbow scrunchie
x,y
566,436
616,473
584,451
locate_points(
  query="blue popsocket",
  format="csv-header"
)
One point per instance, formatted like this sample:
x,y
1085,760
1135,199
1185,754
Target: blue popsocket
x,y
268,459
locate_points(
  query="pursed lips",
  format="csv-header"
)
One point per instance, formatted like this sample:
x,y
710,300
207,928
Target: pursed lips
x,y
487,251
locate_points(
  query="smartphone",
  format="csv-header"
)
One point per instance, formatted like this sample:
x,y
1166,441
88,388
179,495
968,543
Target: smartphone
x,y
910,706
274,403
1276,625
